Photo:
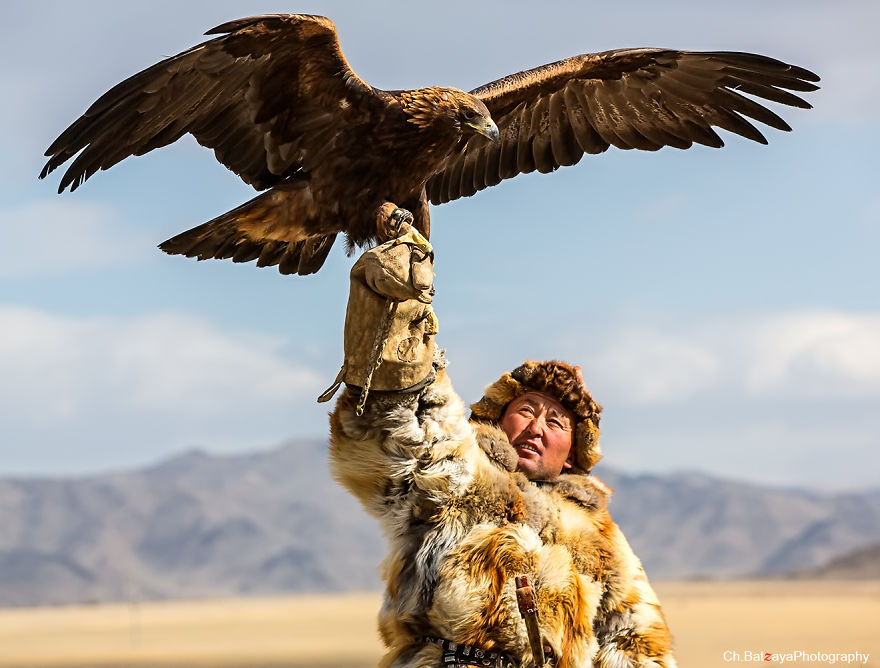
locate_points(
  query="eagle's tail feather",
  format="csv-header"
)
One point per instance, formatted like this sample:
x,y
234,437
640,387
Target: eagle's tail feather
x,y
268,229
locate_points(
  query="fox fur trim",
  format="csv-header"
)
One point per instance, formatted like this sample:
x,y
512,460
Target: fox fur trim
x,y
559,381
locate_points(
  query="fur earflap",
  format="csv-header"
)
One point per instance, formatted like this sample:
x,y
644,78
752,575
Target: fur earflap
x,y
559,381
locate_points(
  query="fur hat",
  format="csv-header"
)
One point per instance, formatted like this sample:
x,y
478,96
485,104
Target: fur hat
x,y
559,381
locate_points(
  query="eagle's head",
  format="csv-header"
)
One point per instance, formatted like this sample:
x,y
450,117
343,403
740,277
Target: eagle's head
x,y
464,112
473,116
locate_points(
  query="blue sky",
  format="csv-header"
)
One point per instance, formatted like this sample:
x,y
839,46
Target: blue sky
x,y
723,303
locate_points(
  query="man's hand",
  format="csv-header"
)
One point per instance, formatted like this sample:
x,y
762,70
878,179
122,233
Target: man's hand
x,y
389,324
400,269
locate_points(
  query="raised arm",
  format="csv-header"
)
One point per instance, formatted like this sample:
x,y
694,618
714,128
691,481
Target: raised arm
x,y
405,442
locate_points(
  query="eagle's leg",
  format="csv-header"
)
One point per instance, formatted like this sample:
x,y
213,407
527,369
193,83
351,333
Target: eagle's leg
x,y
393,221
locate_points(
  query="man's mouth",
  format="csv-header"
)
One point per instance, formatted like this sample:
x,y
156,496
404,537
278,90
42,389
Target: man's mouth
x,y
528,448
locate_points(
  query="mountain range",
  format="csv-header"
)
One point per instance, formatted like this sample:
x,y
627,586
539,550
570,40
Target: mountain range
x,y
275,522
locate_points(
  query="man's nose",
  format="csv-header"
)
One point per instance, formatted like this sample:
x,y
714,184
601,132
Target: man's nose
x,y
536,426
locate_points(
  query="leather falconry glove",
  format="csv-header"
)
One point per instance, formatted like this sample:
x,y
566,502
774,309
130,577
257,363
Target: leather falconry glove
x,y
389,322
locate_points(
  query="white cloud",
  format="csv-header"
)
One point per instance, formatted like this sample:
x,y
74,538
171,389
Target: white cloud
x,y
788,397
648,366
153,383
815,353
56,237
58,367
791,355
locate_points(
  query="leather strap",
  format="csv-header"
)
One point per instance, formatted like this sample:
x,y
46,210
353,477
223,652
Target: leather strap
x,y
455,655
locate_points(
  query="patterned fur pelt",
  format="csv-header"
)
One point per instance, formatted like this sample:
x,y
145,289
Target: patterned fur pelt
x,y
461,525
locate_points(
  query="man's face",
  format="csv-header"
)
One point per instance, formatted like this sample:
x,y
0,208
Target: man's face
x,y
540,429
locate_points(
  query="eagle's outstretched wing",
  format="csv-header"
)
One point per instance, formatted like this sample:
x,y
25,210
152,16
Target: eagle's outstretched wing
x,y
633,98
267,96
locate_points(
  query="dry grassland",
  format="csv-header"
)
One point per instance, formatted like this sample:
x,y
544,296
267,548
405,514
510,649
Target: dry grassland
x,y
706,618
710,618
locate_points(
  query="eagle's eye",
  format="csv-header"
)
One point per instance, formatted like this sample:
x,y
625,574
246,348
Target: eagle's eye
x,y
470,114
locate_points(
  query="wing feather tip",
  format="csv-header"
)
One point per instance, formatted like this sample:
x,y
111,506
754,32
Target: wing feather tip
x,y
236,24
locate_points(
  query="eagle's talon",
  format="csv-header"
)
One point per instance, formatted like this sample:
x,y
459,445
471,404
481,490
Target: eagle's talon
x,y
400,216
398,226
398,222
394,223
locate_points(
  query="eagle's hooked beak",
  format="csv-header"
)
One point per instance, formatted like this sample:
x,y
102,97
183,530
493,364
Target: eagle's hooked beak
x,y
484,126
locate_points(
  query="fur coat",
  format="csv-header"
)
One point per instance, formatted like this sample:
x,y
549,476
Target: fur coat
x,y
461,524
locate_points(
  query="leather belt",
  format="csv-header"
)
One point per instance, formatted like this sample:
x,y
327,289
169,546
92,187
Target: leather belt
x,y
455,655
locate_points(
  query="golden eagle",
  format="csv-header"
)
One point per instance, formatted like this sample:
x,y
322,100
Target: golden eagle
x,y
277,101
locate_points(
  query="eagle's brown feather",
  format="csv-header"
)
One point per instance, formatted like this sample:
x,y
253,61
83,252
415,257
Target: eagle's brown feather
x,y
266,229
633,98
276,100
262,96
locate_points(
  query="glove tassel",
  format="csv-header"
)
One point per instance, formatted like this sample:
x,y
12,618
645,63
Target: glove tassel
x,y
376,354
